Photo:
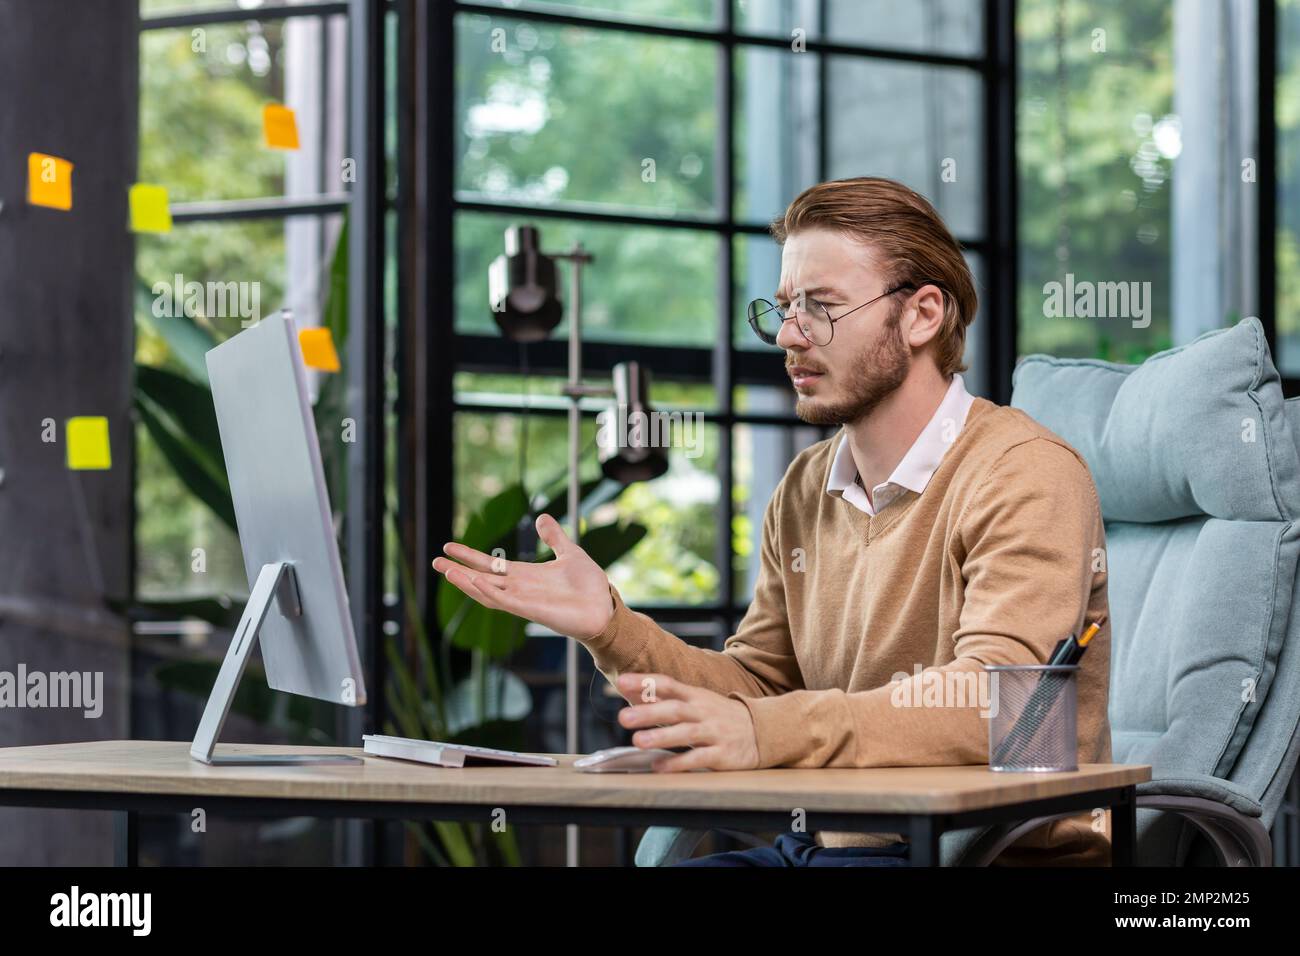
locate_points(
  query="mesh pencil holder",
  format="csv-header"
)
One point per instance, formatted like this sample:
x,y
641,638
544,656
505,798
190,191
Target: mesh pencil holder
x,y
1033,717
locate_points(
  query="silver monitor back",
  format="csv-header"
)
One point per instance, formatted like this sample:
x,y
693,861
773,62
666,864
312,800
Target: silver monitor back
x,y
282,509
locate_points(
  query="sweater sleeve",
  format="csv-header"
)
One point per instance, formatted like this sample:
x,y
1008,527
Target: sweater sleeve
x,y
1025,545
757,661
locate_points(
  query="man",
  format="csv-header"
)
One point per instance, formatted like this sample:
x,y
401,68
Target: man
x,y
935,534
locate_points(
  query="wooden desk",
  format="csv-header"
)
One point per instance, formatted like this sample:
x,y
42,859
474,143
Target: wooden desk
x,y
134,776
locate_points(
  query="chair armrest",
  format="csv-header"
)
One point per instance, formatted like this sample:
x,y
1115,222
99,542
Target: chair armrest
x,y
1237,839
1206,787
1224,813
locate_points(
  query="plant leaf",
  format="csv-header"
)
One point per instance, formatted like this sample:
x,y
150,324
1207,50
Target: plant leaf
x,y
494,633
189,405
335,316
558,506
609,542
332,399
508,699
190,463
187,341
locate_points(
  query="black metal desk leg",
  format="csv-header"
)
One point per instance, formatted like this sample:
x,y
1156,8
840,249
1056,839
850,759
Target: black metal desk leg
x,y
925,841
1123,828
126,835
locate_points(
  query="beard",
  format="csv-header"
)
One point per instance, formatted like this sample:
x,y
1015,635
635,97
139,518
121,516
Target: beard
x,y
879,369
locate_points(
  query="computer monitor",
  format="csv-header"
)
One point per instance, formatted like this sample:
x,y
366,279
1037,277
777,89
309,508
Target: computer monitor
x,y
297,606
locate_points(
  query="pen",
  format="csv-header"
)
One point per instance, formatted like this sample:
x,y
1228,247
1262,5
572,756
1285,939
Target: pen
x,y
1070,650
1067,651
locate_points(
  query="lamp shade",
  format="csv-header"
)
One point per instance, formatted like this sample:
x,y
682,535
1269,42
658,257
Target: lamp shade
x,y
522,288
631,439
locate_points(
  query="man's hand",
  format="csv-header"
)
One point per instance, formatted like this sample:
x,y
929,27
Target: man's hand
x,y
570,594
718,728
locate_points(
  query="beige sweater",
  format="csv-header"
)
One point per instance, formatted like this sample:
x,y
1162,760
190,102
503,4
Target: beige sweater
x,y
991,564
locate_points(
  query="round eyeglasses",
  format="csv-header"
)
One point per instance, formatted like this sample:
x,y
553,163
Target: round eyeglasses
x,y
814,321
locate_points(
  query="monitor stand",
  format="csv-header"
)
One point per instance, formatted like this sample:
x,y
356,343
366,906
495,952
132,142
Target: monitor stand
x,y
274,582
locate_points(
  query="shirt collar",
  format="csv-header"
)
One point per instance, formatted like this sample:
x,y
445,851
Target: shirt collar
x,y
922,459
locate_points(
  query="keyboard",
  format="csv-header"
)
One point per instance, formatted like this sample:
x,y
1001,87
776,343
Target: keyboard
x,y
441,754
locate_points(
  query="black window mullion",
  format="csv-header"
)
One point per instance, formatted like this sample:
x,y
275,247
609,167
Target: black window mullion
x,y
487,407
823,102
724,347
1001,311
1266,187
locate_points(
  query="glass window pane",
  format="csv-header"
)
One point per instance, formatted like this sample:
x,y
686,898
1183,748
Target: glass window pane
x,y
675,563
953,27
975,378
170,522
1287,110
1094,188
692,13
672,564
761,454
225,273
774,399
488,456
777,17
571,114
776,131
243,270
647,284
202,92
931,26
920,125
250,254
757,262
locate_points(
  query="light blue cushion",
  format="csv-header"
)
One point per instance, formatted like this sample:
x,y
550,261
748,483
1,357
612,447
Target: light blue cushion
x,y
1199,612
1197,429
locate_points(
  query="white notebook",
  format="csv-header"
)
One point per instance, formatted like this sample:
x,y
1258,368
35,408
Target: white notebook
x,y
447,755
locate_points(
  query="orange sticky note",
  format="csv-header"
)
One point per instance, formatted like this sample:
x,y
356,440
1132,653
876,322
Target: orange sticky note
x,y
88,443
318,349
280,126
150,211
49,181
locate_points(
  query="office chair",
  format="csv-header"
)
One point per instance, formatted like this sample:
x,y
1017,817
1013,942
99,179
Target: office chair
x,y
1194,455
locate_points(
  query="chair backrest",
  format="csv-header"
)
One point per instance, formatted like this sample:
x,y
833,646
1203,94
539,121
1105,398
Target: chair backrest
x,y
1196,463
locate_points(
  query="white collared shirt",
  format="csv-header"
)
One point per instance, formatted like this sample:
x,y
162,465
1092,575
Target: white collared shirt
x,y
914,471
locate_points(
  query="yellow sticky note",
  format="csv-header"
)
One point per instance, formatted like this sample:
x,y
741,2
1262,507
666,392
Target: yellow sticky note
x,y
318,349
280,126
49,181
150,211
88,443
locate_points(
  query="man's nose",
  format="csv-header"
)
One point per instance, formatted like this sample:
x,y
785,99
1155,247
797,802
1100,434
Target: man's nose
x,y
790,337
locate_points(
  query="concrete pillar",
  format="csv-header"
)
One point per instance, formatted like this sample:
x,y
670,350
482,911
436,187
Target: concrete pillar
x,y
68,76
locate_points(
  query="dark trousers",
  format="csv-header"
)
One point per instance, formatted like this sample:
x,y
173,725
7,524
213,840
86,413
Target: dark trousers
x,y
799,849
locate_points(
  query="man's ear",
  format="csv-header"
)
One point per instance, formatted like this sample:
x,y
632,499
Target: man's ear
x,y
927,307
